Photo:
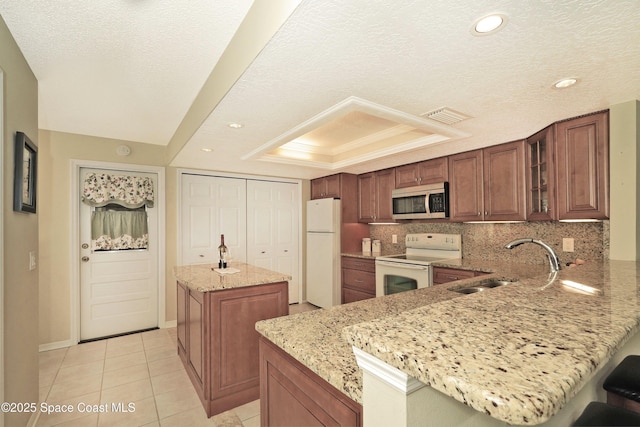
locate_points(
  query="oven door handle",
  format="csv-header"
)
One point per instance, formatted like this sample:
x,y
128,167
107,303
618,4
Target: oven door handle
x,y
403,266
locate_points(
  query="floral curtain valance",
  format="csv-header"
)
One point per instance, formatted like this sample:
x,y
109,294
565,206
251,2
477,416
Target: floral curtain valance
x,y
128,191
119,230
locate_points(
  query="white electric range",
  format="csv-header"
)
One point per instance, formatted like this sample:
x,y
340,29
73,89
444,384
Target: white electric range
x,y
413,270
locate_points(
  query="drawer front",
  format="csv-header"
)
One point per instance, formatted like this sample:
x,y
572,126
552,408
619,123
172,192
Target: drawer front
x,y
444,275
352,295
359,264
362,280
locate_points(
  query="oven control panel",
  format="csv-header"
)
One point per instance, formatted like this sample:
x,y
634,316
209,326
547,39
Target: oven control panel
x,y
447,242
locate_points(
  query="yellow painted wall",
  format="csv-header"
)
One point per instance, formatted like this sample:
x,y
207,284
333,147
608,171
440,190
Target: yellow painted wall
x,y
56,151
20,236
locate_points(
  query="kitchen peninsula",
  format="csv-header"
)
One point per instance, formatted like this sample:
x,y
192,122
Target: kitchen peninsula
x,y
217,341
533,352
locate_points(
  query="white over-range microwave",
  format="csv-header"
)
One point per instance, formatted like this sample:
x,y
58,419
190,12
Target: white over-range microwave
x,y
421,202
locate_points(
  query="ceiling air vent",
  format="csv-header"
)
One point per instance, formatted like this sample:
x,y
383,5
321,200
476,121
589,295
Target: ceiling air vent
x,y
446,115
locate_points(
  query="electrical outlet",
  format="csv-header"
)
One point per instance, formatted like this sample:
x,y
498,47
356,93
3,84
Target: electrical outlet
x,y
567,244
394,238
32,261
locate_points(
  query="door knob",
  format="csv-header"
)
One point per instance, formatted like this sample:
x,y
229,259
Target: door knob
x,y
85,246
85,258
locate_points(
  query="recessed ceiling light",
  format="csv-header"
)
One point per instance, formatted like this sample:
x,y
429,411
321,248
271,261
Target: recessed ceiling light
x,y
235,125
489,24
561,84
207,150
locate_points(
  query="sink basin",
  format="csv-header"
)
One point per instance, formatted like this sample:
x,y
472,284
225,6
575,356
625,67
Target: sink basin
x,y
482,286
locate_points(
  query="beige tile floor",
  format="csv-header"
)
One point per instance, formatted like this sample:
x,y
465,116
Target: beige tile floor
x,y
139,371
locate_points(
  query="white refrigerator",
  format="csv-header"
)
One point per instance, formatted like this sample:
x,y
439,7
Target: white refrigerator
x,y
323,252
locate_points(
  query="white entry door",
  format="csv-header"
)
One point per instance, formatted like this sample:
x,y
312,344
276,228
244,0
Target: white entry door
x,y
119,288
273,229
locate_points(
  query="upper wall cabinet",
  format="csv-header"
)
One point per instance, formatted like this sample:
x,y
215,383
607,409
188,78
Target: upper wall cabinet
x,y
541,200
326,187
488,185
374,195
582,156
465,186
427,172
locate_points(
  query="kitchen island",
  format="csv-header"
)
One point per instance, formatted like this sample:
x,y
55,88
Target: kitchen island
x,y
519,354
217,341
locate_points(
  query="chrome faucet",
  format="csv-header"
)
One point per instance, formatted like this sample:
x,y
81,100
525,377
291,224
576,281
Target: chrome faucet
x,y
554,262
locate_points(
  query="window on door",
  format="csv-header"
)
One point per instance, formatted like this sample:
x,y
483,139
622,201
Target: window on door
x,y
119,216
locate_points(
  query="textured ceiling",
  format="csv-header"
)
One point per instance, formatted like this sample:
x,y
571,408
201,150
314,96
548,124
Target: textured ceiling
x,y
123,69
140,65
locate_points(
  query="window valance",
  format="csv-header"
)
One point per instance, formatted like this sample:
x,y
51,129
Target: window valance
x,y
128,191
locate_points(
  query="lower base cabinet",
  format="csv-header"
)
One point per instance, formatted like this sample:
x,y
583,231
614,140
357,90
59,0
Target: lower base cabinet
x,y
292,395
218,343
358,279
445,275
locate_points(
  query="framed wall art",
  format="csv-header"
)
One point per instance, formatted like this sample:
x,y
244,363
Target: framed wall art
x,y
25,174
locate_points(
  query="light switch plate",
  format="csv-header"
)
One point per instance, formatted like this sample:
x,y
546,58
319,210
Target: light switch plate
x,y
32,261
567,244
394,238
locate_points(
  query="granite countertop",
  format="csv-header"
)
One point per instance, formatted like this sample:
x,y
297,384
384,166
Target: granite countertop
x,y
203,277
518,352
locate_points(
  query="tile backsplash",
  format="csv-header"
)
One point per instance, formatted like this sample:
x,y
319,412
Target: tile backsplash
x,y
487,241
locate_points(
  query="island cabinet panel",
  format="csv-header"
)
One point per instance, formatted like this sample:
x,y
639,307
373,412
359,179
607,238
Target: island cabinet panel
x,y
292,395
183,294
221,344
358,279
422,173
465,186
582,156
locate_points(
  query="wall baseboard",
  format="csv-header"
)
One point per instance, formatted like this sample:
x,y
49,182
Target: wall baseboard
x,y
56,345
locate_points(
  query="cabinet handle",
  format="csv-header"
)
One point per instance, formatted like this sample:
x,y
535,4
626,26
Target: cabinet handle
x,y
479,213
486,213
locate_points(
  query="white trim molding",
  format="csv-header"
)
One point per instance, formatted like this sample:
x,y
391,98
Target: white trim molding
x,y
387,373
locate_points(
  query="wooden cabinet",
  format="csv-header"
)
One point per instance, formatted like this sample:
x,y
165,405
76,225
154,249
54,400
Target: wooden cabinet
x,y
326,187
358,279
374,195
293,395
218,343
504,182
489,184
427,172
444,275
540,174
465,186
582,162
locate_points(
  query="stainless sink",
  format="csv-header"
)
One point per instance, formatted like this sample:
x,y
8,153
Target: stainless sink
x,y
482,286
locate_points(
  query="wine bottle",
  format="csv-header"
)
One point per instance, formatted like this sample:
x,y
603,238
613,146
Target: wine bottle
x,y
222,251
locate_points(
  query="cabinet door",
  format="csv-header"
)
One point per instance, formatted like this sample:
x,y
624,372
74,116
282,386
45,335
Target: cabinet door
x,y
333,186
407,176
434,171
385,182
582,153
318,188
540,174
503,176
465,186
427,172
366,197
211,206
272,229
